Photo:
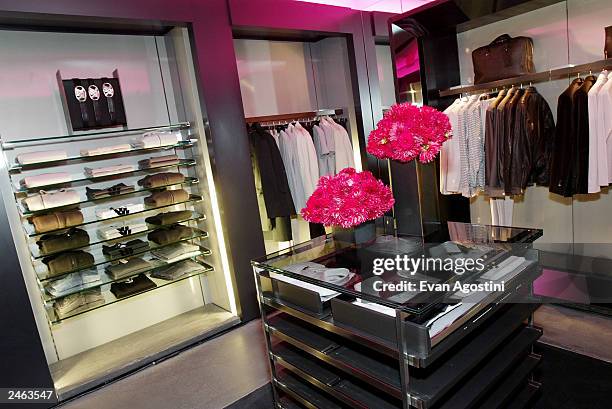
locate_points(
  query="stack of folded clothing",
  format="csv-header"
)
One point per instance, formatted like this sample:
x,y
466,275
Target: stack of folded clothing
x,y
48,200
73,282
57,220
118,189
118,231
67,262
39,157
158,161
132,286
156,139
106,150
79,302
54,243
167,198
127,268
108,170
163,219
177,270
119,211
176,252
337,276
162,179
126,249
171,234
45,179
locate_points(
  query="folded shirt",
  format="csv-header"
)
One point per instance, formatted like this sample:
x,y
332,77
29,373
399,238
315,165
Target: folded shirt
x,y
39,157
78,302
167,235
512,264
156,139
108,170
67,262
167,198
338,276
119,211
132,286
105,150
162,179
118,189
45,179
126,249
73,282
158,161
117,231
177,270
162,219
176,252
55,221
48,200
54,243
126,268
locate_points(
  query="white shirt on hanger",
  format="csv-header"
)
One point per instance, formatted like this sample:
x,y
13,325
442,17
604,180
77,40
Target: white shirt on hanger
x,y
307,164
594,119
451,152
326,155
604,130
342,144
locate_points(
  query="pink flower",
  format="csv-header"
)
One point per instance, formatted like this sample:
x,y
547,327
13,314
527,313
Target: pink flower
x,y
407,132
348,199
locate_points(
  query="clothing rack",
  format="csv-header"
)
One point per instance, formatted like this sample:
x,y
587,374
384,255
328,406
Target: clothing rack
x,y
544,76
295,116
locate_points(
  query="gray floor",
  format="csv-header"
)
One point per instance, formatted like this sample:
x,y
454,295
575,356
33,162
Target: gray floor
x,y
220,372
212,375
83,371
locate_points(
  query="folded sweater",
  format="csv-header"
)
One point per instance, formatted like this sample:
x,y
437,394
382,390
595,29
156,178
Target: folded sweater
x,y
48,200
67,262
126,268
158,161
162,179
57,220
39,157
176,252
54,243
132,286
105,150
73,282
167,235
45,179
178,270
156,139
79,302
162,219
108,170
167,198
125,249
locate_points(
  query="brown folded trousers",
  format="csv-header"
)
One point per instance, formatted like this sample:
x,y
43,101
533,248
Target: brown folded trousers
x,y
170,235
67,262
161,179
56,221
167,198
54,243
163,219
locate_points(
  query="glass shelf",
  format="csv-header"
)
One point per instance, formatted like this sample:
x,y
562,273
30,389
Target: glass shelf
x,y
105,278
110,299
36,254
113,132
192,199
182,162
94,158
101,259
189,181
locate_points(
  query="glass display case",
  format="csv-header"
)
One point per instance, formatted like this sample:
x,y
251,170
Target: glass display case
x,y
117,229
353,325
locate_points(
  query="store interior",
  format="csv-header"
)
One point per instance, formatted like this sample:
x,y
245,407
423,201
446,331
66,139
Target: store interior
x,y
212,78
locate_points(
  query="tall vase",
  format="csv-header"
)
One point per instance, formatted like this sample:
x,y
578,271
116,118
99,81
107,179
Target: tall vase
x,y
359,235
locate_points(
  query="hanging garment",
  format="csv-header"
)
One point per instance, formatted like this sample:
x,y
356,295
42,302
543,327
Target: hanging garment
x,y
562,161
343,149
604,131
581,152
326,154
501,211
469,124
595,117
449,154
512,122
492,148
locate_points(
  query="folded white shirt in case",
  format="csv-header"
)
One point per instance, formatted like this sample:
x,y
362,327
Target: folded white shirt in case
x,y
39,157
156,139
375,307
115,232
46,179
104,150
109,170
73,282
509,265
119,211
337,276
324,293
48,200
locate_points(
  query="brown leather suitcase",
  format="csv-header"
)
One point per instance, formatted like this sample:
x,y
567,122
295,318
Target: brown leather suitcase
x,y
505,57
608,47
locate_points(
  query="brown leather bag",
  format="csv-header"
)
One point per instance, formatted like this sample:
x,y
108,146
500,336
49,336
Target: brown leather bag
x,y
608,47
505,57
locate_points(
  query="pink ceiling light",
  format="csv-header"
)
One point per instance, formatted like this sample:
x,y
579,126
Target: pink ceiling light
x,y
389,6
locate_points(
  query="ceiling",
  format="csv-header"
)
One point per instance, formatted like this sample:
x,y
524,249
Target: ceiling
x,y
389,6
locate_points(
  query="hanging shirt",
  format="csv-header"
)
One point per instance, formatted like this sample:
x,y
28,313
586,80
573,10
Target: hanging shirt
x,y
594,120
470,127
604,131
307,168
450,162
342,144
326,155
